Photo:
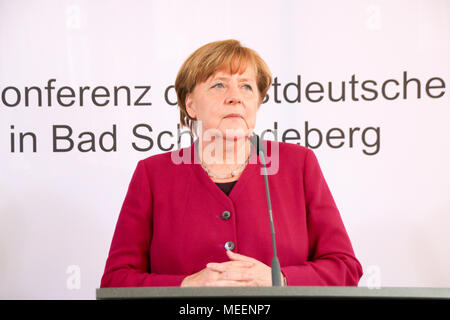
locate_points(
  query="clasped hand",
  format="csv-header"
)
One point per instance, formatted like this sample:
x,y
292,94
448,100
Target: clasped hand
x,y
239,271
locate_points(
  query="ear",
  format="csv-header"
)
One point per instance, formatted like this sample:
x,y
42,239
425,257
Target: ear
x,y
190,107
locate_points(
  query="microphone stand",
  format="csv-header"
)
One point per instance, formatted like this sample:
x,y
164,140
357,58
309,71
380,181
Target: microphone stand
x,y
276,269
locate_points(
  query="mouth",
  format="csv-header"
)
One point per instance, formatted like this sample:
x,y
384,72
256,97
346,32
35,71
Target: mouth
x,y
233,115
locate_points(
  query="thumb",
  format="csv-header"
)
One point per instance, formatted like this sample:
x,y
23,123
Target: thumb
x,y
238,257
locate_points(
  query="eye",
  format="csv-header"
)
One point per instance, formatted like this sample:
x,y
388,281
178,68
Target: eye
x,y
247,87
218,85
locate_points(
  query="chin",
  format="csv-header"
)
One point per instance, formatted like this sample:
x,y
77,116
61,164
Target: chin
x,y
235,133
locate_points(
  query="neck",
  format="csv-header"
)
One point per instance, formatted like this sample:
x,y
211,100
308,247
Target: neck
x,y
221,157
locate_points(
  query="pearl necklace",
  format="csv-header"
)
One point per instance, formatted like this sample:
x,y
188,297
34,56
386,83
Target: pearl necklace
x,y
232,174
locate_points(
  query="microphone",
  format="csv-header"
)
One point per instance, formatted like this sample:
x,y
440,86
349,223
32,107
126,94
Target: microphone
x,y
276,269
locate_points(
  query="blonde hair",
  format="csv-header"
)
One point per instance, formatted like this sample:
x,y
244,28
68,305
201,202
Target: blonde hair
x,y
219,55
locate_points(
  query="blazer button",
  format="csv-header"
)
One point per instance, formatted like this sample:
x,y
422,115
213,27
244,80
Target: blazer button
x,y
229,245
226,215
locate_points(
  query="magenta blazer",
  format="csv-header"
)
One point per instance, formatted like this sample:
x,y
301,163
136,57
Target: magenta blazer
x,y
175,219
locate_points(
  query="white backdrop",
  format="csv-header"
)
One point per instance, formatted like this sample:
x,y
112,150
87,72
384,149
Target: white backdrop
x,y
58,209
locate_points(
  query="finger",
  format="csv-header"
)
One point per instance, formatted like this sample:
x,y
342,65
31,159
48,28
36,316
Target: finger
x,y
239,257
230,283
238,275
216,267
222,267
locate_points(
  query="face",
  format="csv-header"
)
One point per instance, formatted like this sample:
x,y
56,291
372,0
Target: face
x,y
226,103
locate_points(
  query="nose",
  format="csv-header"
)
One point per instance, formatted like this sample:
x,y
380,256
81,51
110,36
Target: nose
x,y
233,96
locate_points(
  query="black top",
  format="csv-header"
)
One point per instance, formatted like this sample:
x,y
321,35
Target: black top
x,y
226,186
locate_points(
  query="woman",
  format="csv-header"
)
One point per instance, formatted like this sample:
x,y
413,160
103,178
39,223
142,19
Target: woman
x,y
203,220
